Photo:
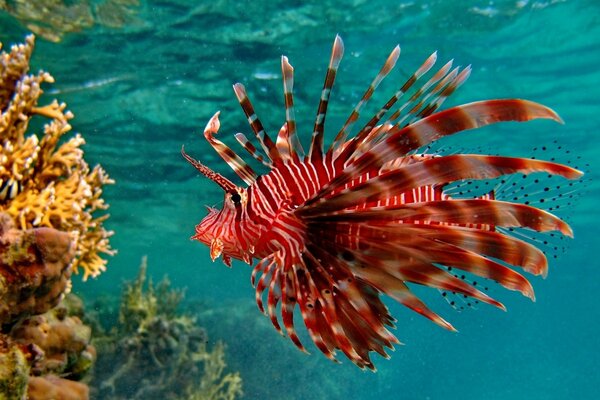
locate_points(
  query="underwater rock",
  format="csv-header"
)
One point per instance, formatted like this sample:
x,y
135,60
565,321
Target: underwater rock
x,y
51,387
34,269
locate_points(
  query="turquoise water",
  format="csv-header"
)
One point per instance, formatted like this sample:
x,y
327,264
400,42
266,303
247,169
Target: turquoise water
x,y
141,91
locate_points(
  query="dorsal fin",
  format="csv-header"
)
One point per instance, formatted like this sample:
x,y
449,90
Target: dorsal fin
x,y
430,172
367,130
440,79
316,145
435,103
253,151
257,127
283,143
346,129
296,150
234,161
400,141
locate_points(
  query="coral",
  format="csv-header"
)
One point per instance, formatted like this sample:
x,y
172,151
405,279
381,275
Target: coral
x,y
52,19
51,387
34,269
48,228
45,355
63,340
14,370
46,181
160,349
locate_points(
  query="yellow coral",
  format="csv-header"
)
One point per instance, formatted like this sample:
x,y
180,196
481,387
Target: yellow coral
x,y
43,183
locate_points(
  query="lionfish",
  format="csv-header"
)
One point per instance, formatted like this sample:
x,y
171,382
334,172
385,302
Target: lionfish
x,y
333,230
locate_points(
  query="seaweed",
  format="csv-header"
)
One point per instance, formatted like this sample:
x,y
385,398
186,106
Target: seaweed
x,y
159,352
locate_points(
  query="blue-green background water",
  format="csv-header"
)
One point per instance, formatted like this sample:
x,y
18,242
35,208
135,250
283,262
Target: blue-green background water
x,y
141,91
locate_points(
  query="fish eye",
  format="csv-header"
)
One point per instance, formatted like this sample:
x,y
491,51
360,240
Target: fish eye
x,y
236,198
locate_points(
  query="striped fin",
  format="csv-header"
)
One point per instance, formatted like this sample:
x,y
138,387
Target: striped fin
x,y
273,298
354,149
423,97
316,146
454,256
266,267
282,288
442,76
367,308
411,258
289,299
385,70
238,165
354,317
257,127
386,263
309,299
437,101
318,321
401,141
397,290
259,268
465,117
506,248
288,88
283,143
436,170
339,311
253,151
379,132
460,212
368,128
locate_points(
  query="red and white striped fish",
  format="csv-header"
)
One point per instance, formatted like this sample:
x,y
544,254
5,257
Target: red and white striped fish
x,y
332,230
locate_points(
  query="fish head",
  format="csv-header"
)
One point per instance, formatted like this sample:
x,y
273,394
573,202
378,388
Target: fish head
x,y
218,231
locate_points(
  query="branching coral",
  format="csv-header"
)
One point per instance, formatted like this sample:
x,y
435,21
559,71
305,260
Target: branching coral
x,y
52,19
160,352
47,182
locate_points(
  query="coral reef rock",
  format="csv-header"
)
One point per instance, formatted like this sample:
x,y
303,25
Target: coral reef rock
x,y
14,369
45,181
34,269
51,387
154,351
63,340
